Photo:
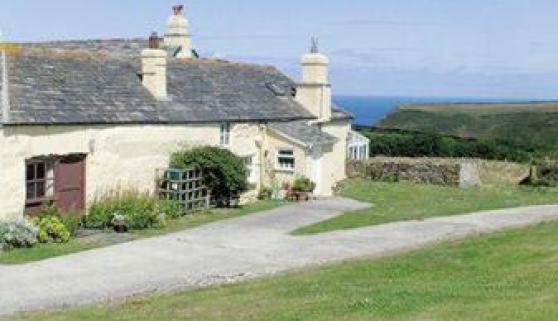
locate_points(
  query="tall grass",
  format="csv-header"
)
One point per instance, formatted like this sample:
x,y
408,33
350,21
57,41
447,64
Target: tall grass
x,y
143,210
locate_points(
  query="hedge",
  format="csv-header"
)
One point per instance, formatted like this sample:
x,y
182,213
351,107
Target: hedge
x,y
411,144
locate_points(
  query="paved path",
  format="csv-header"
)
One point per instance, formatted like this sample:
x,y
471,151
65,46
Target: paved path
x,y
242,248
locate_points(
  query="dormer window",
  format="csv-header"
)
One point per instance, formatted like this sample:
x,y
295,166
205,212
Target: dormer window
x,y
225,137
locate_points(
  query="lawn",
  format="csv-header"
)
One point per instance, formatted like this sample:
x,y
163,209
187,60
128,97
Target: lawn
x,y
44,251
506,276
406,201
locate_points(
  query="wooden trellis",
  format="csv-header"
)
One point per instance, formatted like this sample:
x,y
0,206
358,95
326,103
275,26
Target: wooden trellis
x,y
185,186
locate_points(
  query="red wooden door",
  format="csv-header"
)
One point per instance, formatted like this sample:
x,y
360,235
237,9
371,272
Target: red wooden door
x,y
69,184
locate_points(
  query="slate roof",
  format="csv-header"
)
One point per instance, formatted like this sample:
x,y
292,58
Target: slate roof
x,y
68,88
122,47
97,82
300,131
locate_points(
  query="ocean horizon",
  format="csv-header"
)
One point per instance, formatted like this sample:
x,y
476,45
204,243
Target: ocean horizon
x,y
370,109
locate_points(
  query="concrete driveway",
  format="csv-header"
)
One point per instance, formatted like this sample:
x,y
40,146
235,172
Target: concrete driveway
x,y
237,249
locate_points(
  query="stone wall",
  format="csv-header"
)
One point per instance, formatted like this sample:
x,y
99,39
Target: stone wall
x,y
440,171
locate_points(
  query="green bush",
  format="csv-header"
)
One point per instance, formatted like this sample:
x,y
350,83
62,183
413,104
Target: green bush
x,y
170,209
17,234
51,230
412,144
303,184
71,221
265,193
142,210
545,175
224,172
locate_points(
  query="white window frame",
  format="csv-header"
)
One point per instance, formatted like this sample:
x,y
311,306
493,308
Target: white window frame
x,y
358,147
285,154
39,188
225,134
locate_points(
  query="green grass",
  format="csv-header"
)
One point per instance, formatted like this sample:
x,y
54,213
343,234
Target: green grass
x,y
507,276
45,251
485,108
535,129
406,201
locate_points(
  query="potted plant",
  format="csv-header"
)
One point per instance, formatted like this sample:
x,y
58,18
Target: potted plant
x,y
120,223
303,188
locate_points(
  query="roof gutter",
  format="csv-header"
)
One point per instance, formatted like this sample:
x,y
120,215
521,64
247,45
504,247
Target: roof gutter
x,y
5,92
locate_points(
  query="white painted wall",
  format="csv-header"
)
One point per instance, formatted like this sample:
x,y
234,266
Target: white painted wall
x,y
126,156
334,159
117,157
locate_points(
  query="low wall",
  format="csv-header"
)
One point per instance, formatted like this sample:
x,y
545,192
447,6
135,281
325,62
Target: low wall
x,y
440,171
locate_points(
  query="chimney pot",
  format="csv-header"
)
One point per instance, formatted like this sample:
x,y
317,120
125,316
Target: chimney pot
x,y
154,41
177,10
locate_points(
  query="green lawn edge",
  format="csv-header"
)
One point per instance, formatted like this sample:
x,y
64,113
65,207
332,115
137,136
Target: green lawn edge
x,y
509,275
46,251
404,201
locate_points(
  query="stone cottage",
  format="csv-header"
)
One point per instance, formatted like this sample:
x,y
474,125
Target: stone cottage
x,y
79,118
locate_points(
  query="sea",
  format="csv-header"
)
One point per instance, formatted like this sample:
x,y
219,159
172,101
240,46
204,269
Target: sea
x,y
370,109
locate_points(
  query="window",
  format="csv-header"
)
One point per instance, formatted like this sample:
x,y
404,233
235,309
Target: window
x,y
286,160
39,179
357,147
225,134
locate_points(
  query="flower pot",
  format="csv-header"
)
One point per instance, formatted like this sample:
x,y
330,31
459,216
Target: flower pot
x,y
120,229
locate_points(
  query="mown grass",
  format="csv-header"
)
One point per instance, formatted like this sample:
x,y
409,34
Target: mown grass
x,y
45,251
507,276
406,201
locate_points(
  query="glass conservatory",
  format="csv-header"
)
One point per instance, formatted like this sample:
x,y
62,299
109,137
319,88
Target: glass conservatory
x,y
358,146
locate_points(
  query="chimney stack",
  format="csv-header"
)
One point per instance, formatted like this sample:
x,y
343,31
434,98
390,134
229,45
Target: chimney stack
x,y
314,93
178,34
154,68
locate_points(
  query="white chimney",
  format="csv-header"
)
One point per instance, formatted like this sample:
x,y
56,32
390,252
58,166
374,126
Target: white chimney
x,y
154,68
314,93
178,33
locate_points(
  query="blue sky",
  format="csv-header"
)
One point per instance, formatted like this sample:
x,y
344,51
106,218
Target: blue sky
x,y
479,48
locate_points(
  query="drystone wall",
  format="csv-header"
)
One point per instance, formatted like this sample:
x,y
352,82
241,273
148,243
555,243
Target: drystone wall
x,y
440,171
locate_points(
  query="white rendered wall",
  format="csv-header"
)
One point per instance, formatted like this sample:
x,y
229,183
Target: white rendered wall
x,y
117,157
334,169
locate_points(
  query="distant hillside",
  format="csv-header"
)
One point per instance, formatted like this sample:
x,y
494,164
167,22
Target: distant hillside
x,y
533,125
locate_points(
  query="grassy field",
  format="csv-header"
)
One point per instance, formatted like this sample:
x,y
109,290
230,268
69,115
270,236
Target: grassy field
x,y
406,201
44,251
507,276
485,108
525,129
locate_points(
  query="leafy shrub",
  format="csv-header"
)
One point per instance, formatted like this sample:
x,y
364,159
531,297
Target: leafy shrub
x,y
51,230
71,221
303,184
265,193
170,208
413,144
139,208
224,172
17,234
544,175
